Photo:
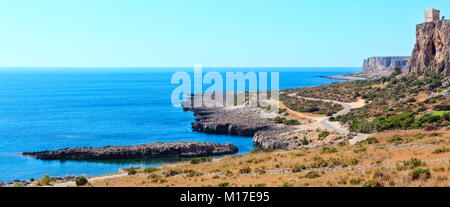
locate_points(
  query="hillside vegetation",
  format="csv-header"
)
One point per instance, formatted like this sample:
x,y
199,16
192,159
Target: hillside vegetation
x,y
407,118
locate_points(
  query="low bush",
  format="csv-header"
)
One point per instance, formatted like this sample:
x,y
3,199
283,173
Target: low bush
x,y
395,139
245,170
81,181
371,183
442,107
297,168
420,173
312,175
291,122
441,150
200,160
45,180
150,169
319,162
324,134
355,181
412,163
132,171
305,141
265,150
370,140
222,185
172,172
281,120
326,149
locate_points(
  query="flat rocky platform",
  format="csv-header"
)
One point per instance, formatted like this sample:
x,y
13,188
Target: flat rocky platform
x,y
350,77
240,121
151,150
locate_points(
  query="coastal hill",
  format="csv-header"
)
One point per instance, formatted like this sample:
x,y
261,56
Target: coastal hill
x,y
432,48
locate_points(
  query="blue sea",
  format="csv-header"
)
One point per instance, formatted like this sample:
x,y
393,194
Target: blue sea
x,y
54,108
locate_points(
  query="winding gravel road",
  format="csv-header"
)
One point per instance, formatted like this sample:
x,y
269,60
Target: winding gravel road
x,y
335,126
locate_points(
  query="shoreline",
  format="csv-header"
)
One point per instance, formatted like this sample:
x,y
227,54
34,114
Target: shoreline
x,y
348,77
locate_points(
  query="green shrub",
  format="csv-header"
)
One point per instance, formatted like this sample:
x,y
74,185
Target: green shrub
x,y
395,139
441,150
412,163
191,173
359,149
420,173
291,122
200,160
45,180
305,141
442,107
172,172
81,181
265,150
352,161
326,149
226,184
324,134
415,137
278,120
355,181
367,184
297,168
370,140
259,185
150,169
132,171
421,109
286,185
18,185
312,175
319,162
245,170
403,121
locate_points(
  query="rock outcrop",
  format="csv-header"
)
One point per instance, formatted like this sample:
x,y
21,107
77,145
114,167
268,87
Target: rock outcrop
x,y
382,66
240,121
151,150
432,48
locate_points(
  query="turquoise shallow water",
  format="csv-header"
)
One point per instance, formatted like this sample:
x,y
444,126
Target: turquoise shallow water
x,y
53,108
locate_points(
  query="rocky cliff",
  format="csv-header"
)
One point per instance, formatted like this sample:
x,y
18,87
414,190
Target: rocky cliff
x,y
151,150
432,48
381,66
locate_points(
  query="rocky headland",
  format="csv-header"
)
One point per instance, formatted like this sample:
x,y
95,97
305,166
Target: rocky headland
x,y
432,48
382,66
151,150
241,121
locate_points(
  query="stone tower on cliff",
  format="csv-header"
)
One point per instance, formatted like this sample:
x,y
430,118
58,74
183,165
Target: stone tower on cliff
x,y
432,15
432,49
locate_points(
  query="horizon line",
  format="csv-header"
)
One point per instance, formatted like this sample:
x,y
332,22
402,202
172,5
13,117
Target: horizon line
x,y
2,67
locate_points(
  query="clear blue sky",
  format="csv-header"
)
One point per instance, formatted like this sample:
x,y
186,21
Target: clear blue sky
x,y
213,33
